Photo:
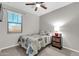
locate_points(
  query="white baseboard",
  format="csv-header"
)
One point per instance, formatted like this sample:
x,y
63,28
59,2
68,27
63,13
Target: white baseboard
x,y
9,47
71,49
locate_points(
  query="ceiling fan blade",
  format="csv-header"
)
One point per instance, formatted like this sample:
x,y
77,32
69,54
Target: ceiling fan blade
x,y
30,4
43,7
41,2
36,9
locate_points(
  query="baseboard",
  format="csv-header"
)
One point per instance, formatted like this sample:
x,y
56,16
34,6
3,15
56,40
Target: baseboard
x,y
71,49
9,47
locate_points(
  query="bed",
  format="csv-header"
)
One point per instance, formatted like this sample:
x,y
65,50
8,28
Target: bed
x,y
34,43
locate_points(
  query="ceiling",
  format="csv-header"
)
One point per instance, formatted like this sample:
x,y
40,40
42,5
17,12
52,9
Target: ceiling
x,y
51,6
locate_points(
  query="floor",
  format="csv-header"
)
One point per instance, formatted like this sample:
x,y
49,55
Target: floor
x,y
48,51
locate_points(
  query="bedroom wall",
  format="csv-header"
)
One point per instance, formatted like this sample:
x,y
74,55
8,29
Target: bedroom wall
x,y
30,25
68,17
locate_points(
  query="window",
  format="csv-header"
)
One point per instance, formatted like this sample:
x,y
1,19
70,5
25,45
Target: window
x,y
14,22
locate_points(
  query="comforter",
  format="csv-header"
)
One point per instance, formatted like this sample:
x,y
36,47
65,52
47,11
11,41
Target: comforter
x,y
34,43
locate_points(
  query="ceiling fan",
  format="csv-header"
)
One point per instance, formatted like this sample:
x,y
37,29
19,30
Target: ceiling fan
x,y
37,4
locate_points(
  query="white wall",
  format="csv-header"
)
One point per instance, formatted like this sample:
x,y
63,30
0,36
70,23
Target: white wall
x,y
30,25
69,17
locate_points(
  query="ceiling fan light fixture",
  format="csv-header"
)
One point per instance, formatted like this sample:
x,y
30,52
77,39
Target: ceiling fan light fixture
x,y
37,5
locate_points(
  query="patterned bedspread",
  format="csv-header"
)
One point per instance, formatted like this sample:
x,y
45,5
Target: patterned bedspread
x,y
34,43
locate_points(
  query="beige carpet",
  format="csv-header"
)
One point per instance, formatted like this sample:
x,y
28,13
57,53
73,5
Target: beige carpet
x,y
48,51
14,51
51,51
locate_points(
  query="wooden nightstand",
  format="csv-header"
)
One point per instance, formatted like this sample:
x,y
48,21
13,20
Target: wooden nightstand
x,y
56,42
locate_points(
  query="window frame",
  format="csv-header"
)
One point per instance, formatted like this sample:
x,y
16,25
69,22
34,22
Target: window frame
x,y
14,23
